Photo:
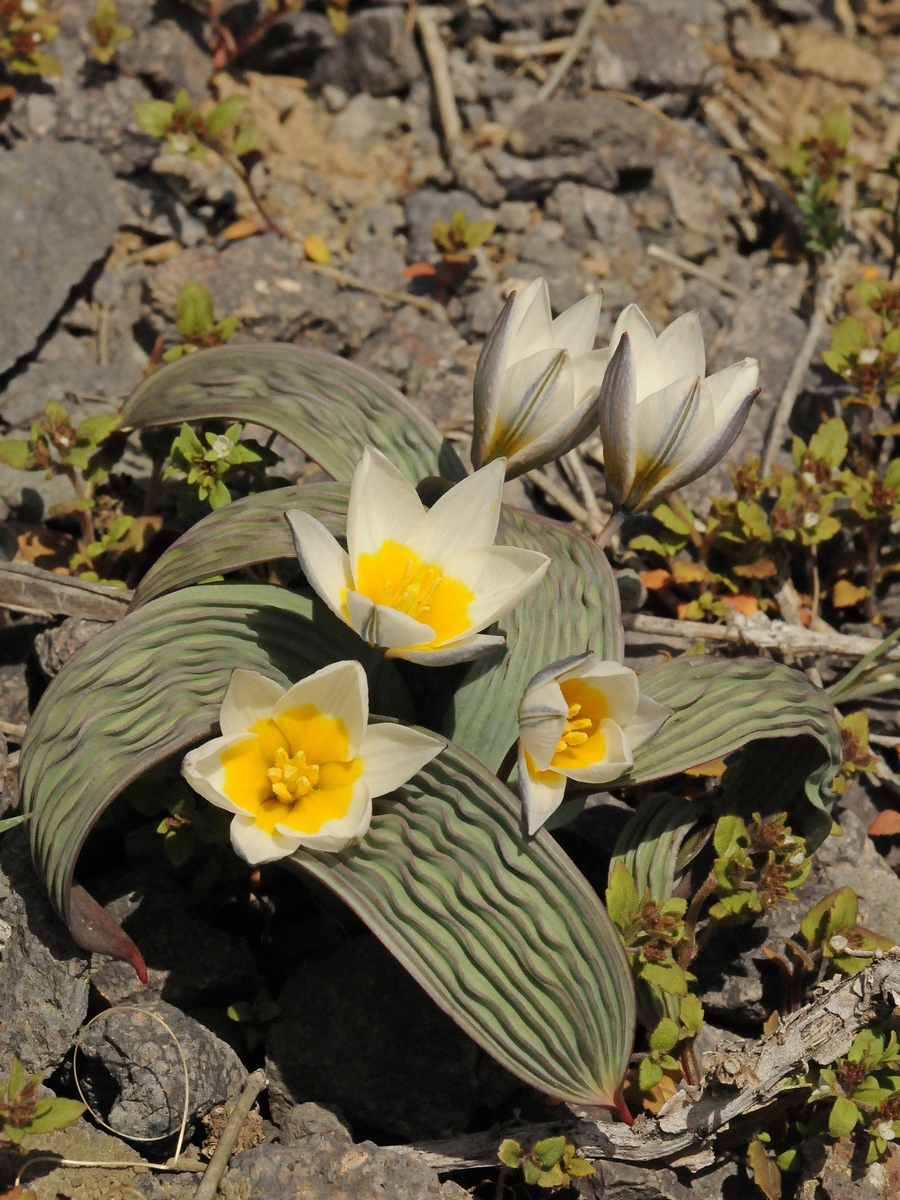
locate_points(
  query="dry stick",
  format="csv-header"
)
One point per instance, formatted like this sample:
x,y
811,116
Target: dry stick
x,y
575,463
566,502
826,297
576,44
428,21
689,268
820,1032
548,49
342,277
212,1176
26,588
776,636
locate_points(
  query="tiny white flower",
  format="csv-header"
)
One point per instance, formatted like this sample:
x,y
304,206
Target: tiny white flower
x,y
579,719
868,355
838,943
222,446
663,422
179,143
810,520
29,7
537,381
796,859
421,583
808,478
299,767
884,1130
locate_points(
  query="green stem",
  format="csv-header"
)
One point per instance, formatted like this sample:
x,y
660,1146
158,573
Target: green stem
x,y
611,527
687,948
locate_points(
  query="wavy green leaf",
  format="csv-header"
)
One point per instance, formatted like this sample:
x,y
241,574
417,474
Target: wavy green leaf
x,y
575,608
504,934
250,531
719,705
327,406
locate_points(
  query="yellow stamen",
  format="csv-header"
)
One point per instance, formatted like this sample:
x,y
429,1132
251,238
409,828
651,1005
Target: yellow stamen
x,y
396,577
583,742
573,734
292,778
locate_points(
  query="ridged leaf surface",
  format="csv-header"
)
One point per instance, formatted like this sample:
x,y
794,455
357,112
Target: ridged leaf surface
x,y
327,406
504,934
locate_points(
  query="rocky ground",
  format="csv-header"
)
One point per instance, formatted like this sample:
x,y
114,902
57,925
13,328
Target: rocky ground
x,y
631,178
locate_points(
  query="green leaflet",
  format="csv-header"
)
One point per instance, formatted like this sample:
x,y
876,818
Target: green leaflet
x,y
504,934
325,405
250,531
574,608
722,704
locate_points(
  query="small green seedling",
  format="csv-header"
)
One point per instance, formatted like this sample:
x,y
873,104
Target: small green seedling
x,y
22,1112
550,1163
106,32
203,468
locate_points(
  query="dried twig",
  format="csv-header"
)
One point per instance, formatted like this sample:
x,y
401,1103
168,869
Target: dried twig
x,y
566,501
826,298
574,463
28,589
522,53
820,1032
776,636
689,268
362,285
576,44
212,1176
428,20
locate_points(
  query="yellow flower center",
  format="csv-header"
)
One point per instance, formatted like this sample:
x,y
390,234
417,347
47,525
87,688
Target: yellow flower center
x,y
396,577
582,742
295,772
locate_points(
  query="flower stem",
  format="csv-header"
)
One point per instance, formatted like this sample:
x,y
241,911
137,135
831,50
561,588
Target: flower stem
x,y
612,526
688,946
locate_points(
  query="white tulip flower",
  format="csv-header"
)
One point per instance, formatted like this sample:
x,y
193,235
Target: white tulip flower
x,y
663,422
579,719
537,382
299,767
419,583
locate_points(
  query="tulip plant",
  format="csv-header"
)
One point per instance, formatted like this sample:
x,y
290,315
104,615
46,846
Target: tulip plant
x,y
442,683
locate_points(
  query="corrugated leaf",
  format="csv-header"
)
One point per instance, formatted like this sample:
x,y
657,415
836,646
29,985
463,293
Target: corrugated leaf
x,y
722,704
250,531
327,406
575,608
504,934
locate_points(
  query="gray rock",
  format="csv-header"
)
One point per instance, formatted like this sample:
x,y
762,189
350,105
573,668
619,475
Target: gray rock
x,y
170,59
56,646
559,266
533,178
292,45
620,136
376,55
366,118
656,51
474,175
620,1181
136,1052
320,1162
29,392
102,115
59,213
515,215
82,1142
189,960
355,1030
151,208
428,205
43,974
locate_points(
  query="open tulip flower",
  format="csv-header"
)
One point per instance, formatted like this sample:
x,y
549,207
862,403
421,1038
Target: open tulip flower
x,y
580,718
663,422
419,583
300,767
537,381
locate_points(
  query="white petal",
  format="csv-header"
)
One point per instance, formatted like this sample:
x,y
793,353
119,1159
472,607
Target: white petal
x,y
575,330
729,387
616,761
334,835
650,372
618,683
532,322
466,516
617,423
486,385
383,506
257,846
392,754
556,441
673,423
325,565
249,698
339,690
537,392
542,718
498,579
202,768
588,371
542,793
380,625
463,650
648,720
681,347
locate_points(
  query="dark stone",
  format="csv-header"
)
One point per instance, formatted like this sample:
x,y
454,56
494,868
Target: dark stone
x,y
319,1162
620,136
189,960
620,1181
133,1054
56,646
376,55
292,45
43,974
102,115
356,1030
533,178
59,213
170,59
